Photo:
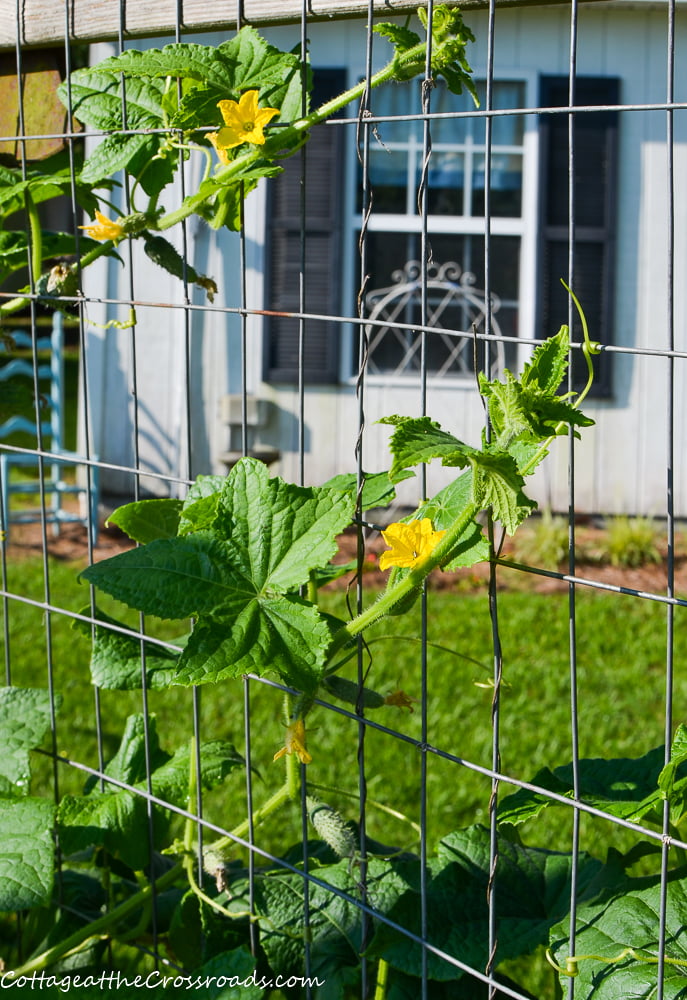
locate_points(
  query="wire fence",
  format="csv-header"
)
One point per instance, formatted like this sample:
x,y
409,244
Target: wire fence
x,y
530,719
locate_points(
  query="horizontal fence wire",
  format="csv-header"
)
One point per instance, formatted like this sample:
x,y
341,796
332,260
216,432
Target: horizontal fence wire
x,y
388,902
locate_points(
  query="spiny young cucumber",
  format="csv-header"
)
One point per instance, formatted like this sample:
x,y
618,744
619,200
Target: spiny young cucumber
x,y
332,827
352,694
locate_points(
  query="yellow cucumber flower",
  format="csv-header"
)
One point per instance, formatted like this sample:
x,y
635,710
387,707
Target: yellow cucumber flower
x,y
410,543
294,742
104,228
244,121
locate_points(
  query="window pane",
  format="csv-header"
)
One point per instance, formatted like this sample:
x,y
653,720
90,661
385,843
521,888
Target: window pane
x,y
396,154
389,180
506,185
445,183
454,302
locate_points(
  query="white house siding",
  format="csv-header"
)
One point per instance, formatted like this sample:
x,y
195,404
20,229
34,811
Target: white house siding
x,y
619,464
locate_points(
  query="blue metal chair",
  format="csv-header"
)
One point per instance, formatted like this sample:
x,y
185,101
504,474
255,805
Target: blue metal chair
x,y
52,484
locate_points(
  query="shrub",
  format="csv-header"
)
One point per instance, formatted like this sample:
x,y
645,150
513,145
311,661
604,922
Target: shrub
x,y
631,541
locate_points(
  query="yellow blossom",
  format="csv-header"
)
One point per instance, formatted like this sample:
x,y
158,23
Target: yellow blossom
x,y
244,121
294,742
401,700
410,543
104,228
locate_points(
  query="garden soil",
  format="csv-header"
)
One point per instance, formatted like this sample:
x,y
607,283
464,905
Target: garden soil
x,y
71,546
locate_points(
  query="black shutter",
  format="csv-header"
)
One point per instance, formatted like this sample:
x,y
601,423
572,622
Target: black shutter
x,y
323,211
595,138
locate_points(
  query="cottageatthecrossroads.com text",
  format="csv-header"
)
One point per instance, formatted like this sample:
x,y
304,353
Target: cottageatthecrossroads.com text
x,y
154,980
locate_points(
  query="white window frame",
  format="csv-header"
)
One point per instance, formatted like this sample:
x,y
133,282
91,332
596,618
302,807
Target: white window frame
x,y
524,227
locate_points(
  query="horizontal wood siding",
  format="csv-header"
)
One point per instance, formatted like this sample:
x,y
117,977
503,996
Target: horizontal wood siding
x,y
43,22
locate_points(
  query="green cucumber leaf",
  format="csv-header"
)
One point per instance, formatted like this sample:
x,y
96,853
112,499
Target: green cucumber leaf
x,y
25,718
114,820
335,926
420,439
146,520
170,780
331,572
626,787
259,65
14,248
199,510
96,99
116,657
678,755
229,975
267,536
27,853
208,64
449,42
546,368
528,409
117,819
132,761
377,491
174,577
497,483
117,152
283,633
279,531
630,919
533,894
204,486
400,36
13,186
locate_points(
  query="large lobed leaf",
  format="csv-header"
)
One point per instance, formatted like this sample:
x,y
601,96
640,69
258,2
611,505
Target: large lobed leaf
x,y
627,787
532,892
261,540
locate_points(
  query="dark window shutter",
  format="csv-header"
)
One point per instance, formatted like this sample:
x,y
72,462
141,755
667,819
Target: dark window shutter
x,y
322,235
595,138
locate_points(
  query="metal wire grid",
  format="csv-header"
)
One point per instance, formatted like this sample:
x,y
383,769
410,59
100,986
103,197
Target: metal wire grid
x,y
365,122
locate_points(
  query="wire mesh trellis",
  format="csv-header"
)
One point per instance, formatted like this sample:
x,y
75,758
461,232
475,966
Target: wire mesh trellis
x,y
175,861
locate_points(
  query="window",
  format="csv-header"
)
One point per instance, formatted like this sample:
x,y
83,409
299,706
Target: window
x,y
456,203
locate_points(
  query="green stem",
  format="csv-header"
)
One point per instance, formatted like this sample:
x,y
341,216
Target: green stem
x,y
280,797
14,305
36,236
382,977
372,803
102,926
283,138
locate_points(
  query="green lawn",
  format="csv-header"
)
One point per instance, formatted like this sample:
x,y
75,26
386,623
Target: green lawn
x,y
621,655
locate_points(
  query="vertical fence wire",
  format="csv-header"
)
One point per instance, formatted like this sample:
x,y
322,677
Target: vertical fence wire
x,y
670,472
572,593
496,773
425,259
